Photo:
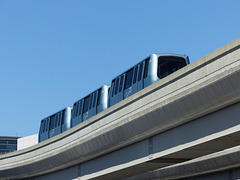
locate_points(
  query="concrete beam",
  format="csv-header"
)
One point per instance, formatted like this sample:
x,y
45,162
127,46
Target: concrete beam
x,y
226,159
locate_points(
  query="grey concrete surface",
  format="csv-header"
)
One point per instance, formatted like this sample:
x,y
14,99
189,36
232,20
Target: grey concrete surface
x,y
201,88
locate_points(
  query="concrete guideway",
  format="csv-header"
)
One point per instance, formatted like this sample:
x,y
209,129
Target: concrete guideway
x,y
226,159
201,88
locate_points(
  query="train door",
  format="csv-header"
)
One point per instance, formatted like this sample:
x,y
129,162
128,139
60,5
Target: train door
x,y
92,105
58,127
114,92
146,79
51,131
128,91
134,83
85,108
140,76
120,90
45,128
99,100
62,121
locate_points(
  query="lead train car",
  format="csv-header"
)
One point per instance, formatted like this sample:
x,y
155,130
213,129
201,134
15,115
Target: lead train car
x,y
145,73
55,124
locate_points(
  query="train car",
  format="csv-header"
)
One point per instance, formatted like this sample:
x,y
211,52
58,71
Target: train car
x,y
143,74
90,105
55,124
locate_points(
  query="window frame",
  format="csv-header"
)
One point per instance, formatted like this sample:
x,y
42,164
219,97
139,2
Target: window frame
x,y
129,78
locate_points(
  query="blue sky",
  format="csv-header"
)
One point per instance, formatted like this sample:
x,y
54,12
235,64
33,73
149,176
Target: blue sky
x,y
54,52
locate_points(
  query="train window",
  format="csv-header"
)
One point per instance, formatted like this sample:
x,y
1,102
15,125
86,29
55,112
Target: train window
x,y
99,96
75,109
90,102
113,86
121,83
135,74
57,120
168,64
62,117
140,72
42,126
47,124
86,104
128,81
116,86
94,98
80,104
146,68
52,122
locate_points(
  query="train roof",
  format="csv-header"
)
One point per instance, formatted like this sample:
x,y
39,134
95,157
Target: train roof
x,y
57,112
91,93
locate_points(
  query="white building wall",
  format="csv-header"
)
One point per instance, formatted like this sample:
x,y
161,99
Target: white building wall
x,y
27,141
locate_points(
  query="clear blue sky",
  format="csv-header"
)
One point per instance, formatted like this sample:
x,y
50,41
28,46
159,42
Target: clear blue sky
x,y
54,52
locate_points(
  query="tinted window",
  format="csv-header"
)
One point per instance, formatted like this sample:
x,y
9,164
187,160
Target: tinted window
x,y
129,77
135,74
12,142
58,119
55,120
76,109
146,68
90,101
169,64
42,126
86,104
113,86
116,86
140,72
62,117
47,124
79,111
94,98
52,119
121,83
74,112
99,96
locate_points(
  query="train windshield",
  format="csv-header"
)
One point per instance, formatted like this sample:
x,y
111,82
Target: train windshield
x,y
169,64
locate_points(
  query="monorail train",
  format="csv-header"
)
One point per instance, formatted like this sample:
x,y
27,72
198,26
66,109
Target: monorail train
x,y
143,74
